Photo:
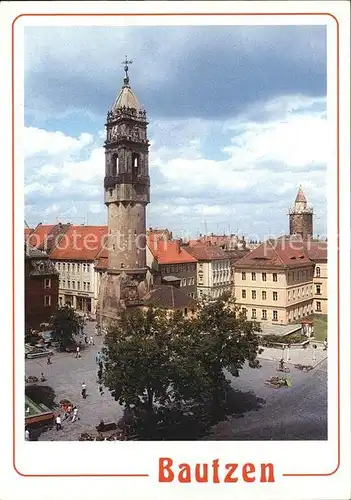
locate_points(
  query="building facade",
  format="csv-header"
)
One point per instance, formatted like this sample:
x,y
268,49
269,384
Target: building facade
x,y
74,259
168,260
274,283
41,288
301,217
213,270
318,253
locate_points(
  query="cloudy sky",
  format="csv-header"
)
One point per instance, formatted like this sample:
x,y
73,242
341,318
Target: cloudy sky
x,y
237,121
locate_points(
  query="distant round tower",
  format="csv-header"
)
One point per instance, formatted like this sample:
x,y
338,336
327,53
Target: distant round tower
x,y
301,217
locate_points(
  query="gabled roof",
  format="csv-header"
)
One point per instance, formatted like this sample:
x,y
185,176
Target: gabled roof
x,y
207,252
80,243
169,297
278,253
40,234
169,252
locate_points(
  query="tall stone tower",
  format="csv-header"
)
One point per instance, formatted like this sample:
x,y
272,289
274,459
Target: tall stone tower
x,y
301,217
127,192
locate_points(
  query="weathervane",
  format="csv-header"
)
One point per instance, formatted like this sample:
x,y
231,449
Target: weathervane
x,y
126,62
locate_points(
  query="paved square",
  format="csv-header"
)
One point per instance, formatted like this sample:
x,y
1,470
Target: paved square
x,y
299,412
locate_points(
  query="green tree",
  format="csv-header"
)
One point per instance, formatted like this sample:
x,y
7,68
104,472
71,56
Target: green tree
x,y
65,323
144,367
154,358
223,339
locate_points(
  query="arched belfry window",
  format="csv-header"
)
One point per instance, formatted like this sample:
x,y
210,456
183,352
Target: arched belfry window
x,y
115,165
136,164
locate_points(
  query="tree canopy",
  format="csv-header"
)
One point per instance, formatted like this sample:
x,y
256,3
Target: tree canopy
x,y
154,359
65,323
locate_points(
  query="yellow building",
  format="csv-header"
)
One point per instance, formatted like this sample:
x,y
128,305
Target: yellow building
x,y
317,251
274,282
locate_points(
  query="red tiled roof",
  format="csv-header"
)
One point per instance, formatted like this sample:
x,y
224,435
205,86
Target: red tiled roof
x,y
169,252
207,252
280,253
38,237
101,263
27,232
80,243
317,250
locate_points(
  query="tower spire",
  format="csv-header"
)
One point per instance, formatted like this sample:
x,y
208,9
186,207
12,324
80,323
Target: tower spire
x,y
126,68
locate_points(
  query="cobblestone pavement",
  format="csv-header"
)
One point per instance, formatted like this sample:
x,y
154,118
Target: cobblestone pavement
x,y
299,412
65,376
308,356
296,413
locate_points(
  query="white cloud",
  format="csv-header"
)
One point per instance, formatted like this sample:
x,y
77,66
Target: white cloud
x,y
255,181
39,141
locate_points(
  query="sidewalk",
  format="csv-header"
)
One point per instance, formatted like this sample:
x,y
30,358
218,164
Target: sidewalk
x,y
296,356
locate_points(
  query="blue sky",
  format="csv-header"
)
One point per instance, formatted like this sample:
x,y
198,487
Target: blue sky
x,y
237,121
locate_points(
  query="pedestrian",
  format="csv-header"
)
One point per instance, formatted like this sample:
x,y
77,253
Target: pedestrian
x,y
42,378
101,390
99,376
58,423
84,390
97,359
26,434
75,414
86,339
48,361
314,353
100,365
92,340
78,352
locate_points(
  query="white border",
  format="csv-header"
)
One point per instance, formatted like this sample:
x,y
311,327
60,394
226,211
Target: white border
x,y
142,457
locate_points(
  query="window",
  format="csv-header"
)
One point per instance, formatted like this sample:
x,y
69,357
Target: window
x,y
264,295
47,283
253,276
264,276
47,300
68,267
59,265
189,281
185,311
243,294
88,268
275,295
288,296
88,286
64,283
298,293
73,285
294,296
244,310
303,291
68,284
318,306
243,276
84,285
63,266
167,269
78,267
275,315
318,289
253,314
275,277
78,285
84,265
318,271
253,294
264,313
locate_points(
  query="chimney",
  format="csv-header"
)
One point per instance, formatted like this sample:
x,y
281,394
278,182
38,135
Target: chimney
x,y
178,246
